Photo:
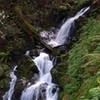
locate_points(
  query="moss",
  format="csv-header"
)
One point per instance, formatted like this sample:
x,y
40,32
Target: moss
x,y
26,68
59,71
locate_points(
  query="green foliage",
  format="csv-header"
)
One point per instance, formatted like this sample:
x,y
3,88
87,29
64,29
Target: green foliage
x,y
95,92
81,2
83,64
4,56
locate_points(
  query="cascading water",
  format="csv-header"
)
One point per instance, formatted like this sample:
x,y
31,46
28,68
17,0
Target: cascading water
x,y
8,95
27,53
44,89
44,83
64,32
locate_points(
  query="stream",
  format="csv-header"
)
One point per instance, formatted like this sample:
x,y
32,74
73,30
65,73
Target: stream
x,y
44,88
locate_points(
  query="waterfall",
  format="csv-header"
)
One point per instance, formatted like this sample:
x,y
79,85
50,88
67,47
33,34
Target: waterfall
x,y
44,89
44,85
64,32
8,95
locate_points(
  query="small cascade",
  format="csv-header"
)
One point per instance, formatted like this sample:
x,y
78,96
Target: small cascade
x,y
27,53
64,32
9,93
43,89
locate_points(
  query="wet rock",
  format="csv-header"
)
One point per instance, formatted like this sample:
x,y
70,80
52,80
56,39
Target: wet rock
x,y
42,93
34,53
19,87
63,49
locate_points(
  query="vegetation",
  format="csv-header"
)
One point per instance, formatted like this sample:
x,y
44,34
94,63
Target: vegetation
x,y
83,64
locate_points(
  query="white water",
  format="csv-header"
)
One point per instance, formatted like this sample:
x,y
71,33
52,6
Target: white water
x,y
8,95
65,29
44,65
27,53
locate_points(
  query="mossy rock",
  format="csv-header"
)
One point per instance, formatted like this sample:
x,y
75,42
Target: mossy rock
x,y
26,68
59,74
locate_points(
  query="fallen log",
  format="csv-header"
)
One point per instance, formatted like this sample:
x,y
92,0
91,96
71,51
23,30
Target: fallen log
x,y
30,29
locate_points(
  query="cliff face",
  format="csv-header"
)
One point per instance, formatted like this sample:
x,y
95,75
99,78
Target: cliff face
x,y
79,70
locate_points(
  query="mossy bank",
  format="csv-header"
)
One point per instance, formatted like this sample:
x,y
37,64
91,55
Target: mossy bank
x,y
80,67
